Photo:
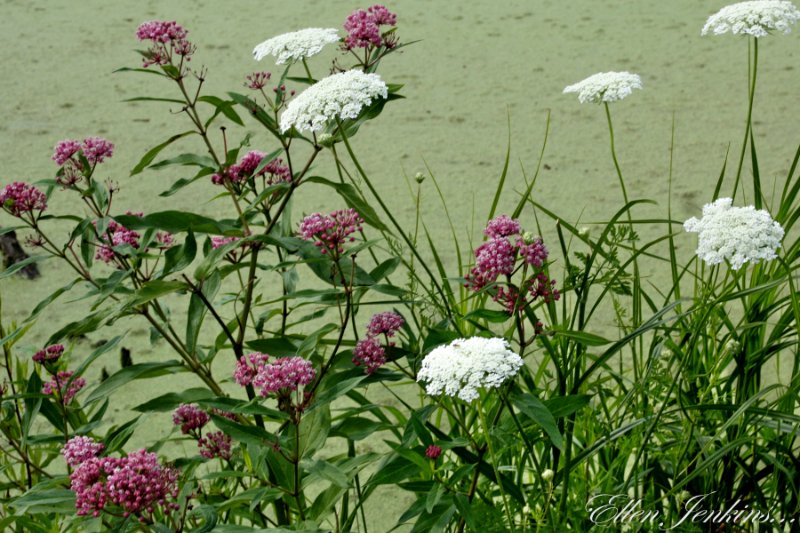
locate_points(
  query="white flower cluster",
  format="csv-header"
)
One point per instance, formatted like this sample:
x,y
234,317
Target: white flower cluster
x,y
297,45
465,365
757,18
736,234
605,87
341,95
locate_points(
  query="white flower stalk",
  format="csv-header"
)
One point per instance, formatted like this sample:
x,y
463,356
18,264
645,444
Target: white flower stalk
x,y
605,87
466,365
297,45
341,95
757,18
736,234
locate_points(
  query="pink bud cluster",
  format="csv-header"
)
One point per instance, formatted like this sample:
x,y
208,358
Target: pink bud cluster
x,y
257,80
190,418
119,235
363,28
51,354
508,251
215,444
219,242
80,449
134,485
285,374
168,38
246,167
18,198
433,452
369,352
330,232
61,386
94,149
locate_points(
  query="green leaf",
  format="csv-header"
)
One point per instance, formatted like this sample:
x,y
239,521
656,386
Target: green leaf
x,y
171,400
276,347
353,199
489,315
131,373
16,267
533,408
251,435
154,289
198,309
192,160
385,268
178,222
223,106
37,501
582,337
179,257
566,405
153,152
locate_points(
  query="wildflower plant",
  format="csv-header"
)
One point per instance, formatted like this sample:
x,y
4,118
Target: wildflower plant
x,y
512,401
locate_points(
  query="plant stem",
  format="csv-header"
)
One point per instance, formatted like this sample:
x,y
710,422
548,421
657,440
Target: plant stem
x,y
488,437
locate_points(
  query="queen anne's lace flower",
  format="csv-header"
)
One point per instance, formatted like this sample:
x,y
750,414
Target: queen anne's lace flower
x,y
466,365
297,45
605,87
757,18
736,234
341,95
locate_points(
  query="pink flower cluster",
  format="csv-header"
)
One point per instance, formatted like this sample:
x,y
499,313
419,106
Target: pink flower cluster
x,y
363,28
190,418
257,80
369,352
61,385
136,484
51,354
168,37
215,444
18,198
94,149
80,449
246,167
219,242
330,232
119,235
282,375
433,452
506,252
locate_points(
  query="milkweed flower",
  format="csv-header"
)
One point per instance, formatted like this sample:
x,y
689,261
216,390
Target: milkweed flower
x,y
18,198
296,45
51,354
756,18
60,384
464,366
285,373
370,354
190,418
605,87
363,27
80,449
215,444
168,38
735,234
136,484
330,232
342,95
387,323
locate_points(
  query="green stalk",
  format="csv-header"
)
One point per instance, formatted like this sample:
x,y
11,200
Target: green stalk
x,y
751,96
485,428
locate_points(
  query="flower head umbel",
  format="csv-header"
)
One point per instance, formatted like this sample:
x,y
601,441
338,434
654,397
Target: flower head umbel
x,y
510,250
169,40
386,323
605,87
215,444
190,418
134,485
758,18
370,354
80,449
339,96
433,452
18,198
363,28
248,367
330,232
51,354
119,235
284,374
63,385
297,45
735,234
464,366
